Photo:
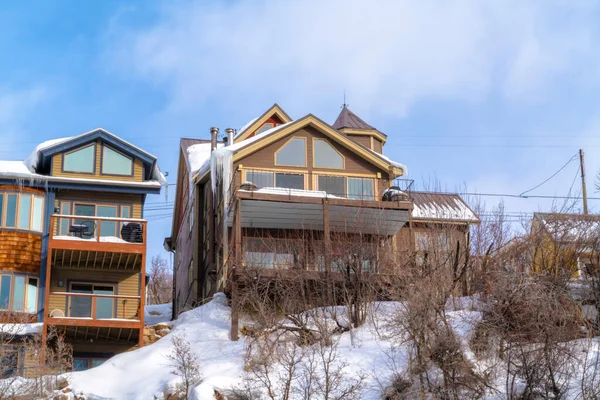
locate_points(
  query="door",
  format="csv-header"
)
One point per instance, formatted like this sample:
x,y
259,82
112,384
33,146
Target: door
x,y
87,210
104,306
107,228
81,306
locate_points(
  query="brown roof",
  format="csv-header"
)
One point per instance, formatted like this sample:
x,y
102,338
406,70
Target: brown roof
x,y
347,119
441,207
187,142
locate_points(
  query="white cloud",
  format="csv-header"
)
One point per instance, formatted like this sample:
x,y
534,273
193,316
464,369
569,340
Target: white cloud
x,y
386,54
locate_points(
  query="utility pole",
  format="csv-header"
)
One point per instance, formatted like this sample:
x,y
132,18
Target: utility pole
x,y
583,188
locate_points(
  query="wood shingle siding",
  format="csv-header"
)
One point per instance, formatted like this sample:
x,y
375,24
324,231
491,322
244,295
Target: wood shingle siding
x,y
127,284
57,169
20,251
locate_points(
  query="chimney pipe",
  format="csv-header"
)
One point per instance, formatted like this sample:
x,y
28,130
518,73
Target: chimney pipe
x,y
229,132
214,132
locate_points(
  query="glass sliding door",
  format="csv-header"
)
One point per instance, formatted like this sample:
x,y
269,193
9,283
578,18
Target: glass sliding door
x,y
104,306
87,210
107,228
81,306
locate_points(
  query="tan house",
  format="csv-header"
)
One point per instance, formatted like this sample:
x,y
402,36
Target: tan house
x,y
279,194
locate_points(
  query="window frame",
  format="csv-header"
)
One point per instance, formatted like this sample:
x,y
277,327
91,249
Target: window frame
x,y
347,185
114,285
275,263
314,152
284,145
27,277
274,173
5,195
62,167
131,173
70,204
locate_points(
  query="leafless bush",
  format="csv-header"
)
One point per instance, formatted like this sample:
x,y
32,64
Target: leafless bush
x,y
185,366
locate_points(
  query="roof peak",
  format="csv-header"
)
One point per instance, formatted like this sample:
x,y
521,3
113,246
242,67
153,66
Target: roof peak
x,y
348,119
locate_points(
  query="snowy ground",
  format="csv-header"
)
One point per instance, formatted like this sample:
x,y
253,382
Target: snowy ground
x,y
146,373
157,313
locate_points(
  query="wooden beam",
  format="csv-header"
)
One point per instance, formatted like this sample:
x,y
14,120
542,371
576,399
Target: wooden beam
x,y
142,289
326,234
234,312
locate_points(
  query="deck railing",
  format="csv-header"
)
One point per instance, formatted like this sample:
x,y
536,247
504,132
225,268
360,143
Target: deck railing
x,y
98,229
95,306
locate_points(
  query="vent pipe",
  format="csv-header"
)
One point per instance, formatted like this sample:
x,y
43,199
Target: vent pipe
x,y
229,132
214,132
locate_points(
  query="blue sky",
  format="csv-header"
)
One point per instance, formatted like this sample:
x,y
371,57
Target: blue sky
x,y
493,96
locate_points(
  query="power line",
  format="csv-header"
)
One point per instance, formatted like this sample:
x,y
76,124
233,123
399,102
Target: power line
x,y
552,176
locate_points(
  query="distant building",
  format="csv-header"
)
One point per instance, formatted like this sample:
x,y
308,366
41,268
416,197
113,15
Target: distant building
x,y
73,242
566,243
279,193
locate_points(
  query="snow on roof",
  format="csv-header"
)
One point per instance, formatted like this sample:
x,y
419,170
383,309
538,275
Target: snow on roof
x,y
240,145
34,158
392,162
28,169
199,156
441,206
293,192
570,227
243,128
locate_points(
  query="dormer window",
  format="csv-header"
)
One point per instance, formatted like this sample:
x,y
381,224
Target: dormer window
x,y
265,127
326,156
81,160
293,153
115,163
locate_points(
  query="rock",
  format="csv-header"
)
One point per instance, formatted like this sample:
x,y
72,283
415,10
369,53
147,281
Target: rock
x,y
62,383
161,326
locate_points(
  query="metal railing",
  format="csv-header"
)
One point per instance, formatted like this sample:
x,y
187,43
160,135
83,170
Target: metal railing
x,y
98,229
333,186
96,306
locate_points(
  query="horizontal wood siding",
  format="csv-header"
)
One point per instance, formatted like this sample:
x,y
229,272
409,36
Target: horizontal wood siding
x,y
362,139
138,169
127,284
377,146
20,251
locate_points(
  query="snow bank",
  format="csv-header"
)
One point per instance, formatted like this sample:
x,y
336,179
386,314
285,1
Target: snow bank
x,y
157,313
145,373
21,329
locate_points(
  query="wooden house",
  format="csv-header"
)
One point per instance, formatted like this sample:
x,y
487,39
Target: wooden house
x,y
566,243
282,194
73,241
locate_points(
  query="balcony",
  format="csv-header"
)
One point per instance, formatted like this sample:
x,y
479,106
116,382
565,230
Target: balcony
x,y
99,234
348,204
94,310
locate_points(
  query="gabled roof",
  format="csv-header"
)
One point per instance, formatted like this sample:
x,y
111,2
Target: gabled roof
x,y
347,119
253,125
569,227
249,146
441,207
39,160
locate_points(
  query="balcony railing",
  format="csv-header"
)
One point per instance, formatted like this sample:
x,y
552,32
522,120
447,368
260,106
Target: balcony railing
x,y
95,306
325,186
125,231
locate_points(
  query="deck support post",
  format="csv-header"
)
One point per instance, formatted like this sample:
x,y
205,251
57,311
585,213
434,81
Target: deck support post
x,y
234,312
142,287
46,311
326,235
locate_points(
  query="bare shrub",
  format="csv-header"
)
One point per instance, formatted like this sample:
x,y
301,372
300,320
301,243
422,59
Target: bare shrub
x,y
185,366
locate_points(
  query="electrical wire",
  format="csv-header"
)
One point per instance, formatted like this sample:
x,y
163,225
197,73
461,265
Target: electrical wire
x,y
553,175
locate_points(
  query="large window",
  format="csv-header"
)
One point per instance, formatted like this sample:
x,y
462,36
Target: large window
x,y
292,153
350,187
83,210
18,293
81,160
269,179
23,211
115,163
325,156
269,253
